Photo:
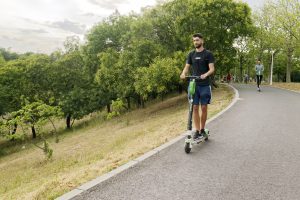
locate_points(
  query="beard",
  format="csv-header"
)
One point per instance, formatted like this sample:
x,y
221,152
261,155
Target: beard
x,y
198,45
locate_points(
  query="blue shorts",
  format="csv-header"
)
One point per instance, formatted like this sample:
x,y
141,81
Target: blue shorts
x,y
202,95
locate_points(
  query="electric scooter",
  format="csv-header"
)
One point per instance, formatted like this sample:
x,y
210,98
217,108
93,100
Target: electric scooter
x,y
189,141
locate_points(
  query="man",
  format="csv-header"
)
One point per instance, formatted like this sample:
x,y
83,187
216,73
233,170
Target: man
x,y
228,78
259,69
246,78
202,62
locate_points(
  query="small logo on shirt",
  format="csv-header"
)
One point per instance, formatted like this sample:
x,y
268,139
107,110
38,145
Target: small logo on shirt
x,y
198,58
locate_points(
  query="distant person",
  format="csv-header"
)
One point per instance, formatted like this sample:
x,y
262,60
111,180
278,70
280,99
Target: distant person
x,y
259,69
202,63
233,78
246,78
228,78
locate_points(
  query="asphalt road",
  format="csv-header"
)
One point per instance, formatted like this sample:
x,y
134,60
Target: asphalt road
x,y
253,153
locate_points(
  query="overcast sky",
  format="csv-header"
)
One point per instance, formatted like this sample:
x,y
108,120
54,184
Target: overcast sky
x,y
43,25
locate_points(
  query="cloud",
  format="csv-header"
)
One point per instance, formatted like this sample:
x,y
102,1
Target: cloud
x,y
37,43
108,4
31,21
4,37
32,31
68,25
89,14
33,26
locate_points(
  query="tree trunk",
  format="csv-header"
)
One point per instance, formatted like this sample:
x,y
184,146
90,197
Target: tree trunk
x,y
108,108
241,69
68,121
269,64
139,103
180,89
128,103
288,65
142,102
15,129
33,132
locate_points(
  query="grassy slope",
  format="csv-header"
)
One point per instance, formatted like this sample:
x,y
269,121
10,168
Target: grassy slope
x,y
289,86
92,150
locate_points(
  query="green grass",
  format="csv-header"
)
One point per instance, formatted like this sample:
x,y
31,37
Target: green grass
x,y
94,147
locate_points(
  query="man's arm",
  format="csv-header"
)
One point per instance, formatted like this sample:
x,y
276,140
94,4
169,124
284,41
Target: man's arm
x,y
211,70
185,71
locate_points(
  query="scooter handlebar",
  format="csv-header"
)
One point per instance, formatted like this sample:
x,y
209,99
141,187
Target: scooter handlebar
x,y
193,77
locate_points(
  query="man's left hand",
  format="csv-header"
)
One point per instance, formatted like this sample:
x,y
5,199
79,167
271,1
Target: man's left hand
x,y
203,76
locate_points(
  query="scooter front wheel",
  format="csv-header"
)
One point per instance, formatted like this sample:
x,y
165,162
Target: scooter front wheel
x,y
187,148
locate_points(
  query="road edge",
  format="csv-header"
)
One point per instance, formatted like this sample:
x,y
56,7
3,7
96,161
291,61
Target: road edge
x,y
295,91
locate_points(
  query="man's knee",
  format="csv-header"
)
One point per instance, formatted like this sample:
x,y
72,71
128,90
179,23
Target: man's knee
x,y
204,108
196,108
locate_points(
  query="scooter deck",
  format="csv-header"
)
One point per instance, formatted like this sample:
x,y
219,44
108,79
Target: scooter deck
x,y
196,141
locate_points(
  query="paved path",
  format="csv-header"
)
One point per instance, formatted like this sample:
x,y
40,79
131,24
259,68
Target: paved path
x,y
253,153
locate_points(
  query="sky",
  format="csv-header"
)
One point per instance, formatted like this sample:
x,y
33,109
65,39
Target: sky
x,y
41,26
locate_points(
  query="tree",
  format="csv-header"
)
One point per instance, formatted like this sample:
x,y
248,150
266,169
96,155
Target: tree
x,y
34,116
8,55
12,81
107,34
159,78
221,22
67,80
278,30
288,20
2,61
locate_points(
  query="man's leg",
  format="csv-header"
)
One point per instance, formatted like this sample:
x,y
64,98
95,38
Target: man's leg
x,y
196,117
203,116
205,100
257,81
260,79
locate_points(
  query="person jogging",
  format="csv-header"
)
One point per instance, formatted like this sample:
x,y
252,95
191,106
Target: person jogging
x,y
202,62
259,69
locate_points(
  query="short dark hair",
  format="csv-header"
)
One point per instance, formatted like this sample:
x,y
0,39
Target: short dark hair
x,y
199,35
258,60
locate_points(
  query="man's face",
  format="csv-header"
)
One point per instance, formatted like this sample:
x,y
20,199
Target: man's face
x,y
198,42
258,62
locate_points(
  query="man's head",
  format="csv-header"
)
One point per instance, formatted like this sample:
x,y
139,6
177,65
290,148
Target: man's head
x,y
258,61
198,40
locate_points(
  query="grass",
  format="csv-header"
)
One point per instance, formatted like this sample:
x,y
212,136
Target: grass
x,y
289,86
95,148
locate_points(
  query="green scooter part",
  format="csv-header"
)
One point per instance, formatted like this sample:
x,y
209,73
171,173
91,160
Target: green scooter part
x,y
192,87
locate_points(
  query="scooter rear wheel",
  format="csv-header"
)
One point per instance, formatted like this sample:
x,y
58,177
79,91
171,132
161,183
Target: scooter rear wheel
x,y
206,139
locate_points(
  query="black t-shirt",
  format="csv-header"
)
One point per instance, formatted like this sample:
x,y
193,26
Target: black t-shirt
x,y
199,62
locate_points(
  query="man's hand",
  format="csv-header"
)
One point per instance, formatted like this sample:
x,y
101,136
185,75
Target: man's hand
x,y
182,76
203,76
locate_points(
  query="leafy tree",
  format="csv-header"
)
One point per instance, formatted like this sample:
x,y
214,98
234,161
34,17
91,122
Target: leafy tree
x,y
2,61
34,116
279,27
8,55
159,78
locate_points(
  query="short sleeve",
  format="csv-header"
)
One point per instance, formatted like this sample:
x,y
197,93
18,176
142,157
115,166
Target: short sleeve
x,y
189,59
210,58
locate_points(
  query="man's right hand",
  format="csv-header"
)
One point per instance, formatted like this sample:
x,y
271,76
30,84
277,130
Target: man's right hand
x,y
182,76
